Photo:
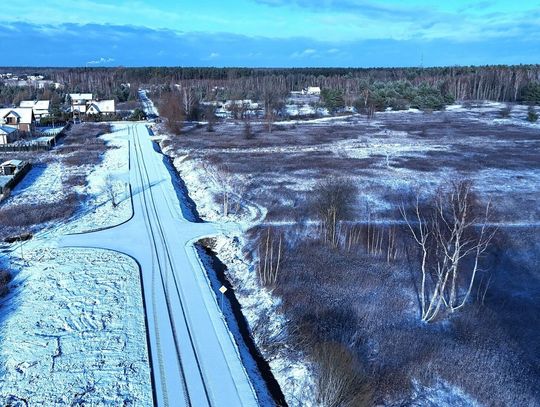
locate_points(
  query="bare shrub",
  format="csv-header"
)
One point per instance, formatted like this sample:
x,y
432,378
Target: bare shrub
x,y
270,340
505,111
82,145
248,132
171,109
26,216
81,158
340,380
376,239
74,180
80,133
110,190
334,201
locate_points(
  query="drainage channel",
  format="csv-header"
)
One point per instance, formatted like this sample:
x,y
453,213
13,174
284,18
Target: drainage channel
x,y
238,324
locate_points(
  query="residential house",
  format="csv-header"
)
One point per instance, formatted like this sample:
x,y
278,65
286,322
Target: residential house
x,y
40,107
79,101
84,103
8,135
104,107
20,118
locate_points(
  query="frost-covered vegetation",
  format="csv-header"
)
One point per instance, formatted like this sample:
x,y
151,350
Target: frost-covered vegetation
x,y
341,271
65,169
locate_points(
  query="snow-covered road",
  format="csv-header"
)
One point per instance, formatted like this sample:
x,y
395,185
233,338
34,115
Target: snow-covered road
x,y
195,361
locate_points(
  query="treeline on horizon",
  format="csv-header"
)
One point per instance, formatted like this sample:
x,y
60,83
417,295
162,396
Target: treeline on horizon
x,y
518,83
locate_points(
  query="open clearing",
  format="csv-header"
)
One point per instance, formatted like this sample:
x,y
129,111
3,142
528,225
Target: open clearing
x,y
487,354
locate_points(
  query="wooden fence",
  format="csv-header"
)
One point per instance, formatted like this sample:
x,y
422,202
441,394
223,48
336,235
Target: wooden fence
x,y
17,177
34,146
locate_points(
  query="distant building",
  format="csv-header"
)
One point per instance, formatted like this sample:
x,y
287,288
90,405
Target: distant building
x,y
313,90
84,103
8,135
101,107
20,118
79,101
40,107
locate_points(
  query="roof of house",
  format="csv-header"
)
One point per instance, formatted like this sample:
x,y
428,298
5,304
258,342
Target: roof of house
x,y
27,103
81,96
25,113
103,106
7,130
15,163
36,104
42,104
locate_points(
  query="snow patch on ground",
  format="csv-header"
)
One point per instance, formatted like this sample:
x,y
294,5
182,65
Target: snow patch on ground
x,y
42,184
113,172
73,331
441,394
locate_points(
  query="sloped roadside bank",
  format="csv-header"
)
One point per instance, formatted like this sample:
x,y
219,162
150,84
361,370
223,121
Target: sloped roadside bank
x,y
252,358
265,384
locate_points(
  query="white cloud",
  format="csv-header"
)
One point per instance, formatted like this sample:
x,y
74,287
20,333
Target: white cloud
x,y
305,53
100,61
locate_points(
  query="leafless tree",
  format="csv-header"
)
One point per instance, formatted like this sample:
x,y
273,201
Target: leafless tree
x,y
210,116
227,184
171,109
334,199
248,132
190,102
111,191
272,104
270,257
452,234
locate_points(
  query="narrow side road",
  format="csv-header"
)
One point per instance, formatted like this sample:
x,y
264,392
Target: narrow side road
x,y
195,361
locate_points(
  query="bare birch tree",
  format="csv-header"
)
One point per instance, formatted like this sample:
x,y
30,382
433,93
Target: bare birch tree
x,y
270,253
230,188
452,234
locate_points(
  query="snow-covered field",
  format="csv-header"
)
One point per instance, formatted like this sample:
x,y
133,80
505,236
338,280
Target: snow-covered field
x,y
112,173
386,157
72,329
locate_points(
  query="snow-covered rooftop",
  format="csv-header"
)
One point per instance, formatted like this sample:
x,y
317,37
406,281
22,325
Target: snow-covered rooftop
x,y
16,163
102,106
81,96
25,113
7,130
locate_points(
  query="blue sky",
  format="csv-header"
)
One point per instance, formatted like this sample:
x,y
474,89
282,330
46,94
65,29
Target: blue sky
x,y
272,33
